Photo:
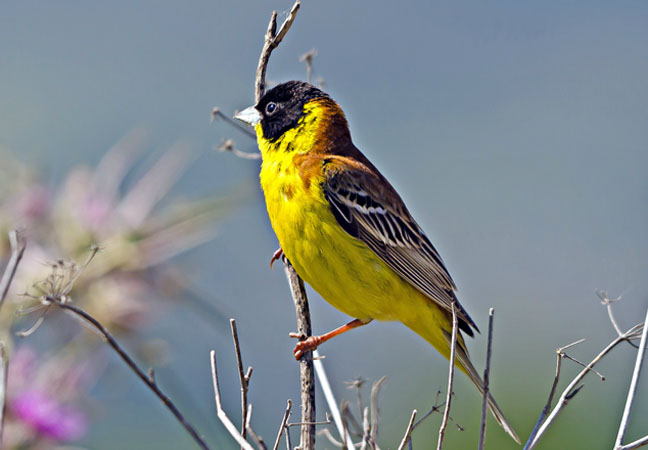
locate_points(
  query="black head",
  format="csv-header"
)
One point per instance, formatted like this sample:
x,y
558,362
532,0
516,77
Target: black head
x,y
283,105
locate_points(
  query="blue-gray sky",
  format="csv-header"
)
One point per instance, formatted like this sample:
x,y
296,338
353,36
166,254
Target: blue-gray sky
x,y
516,132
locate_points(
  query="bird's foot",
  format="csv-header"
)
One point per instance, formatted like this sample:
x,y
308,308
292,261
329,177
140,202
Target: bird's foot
x,y
276,255
305,344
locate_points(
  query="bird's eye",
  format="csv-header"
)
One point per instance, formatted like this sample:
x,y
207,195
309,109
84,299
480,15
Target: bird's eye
x,y
271,107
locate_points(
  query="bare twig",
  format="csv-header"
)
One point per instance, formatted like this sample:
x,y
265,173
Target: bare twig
x,y
408,432
633,386
17,251
366,430
272,40
229,146
282,427
489,352
375,411
243,378
258,440
308,59
216,112
453,349
220,412
573,387
306,370
607,302
4,365
636,444
330,398
133,366
307,442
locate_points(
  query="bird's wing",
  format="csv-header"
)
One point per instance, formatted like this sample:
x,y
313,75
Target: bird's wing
x,y
370,209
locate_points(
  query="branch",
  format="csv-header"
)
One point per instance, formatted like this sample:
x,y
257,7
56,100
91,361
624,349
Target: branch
x,y
633,386
453,349
573,387
306,374
330,398
489,352
243,377
17,251
149,381
271,42
219,407
408,432
282,427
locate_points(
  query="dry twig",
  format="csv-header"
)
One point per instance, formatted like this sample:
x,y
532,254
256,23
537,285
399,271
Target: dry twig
x,y
408,432
149,381
453,349
282,426
219,407
573,387
631,393
243,377
17,250
489,352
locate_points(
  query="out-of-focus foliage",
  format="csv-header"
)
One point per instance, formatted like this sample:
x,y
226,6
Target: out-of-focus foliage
x,y
48,388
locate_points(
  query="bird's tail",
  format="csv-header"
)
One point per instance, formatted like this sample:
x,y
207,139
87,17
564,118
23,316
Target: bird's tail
x,y
463,362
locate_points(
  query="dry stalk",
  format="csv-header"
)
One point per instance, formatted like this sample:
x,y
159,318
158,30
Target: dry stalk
x,y
453,349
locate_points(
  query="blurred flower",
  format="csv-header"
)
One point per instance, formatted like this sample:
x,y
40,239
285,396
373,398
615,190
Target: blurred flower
x,y
137,236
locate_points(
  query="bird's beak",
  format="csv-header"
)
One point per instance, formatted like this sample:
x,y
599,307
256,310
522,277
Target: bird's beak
x,y
249,115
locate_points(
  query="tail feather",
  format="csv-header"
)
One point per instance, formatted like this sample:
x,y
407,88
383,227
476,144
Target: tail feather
x,y
467,367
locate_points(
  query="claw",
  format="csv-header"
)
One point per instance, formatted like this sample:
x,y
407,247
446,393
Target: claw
x,y
305,344
276,255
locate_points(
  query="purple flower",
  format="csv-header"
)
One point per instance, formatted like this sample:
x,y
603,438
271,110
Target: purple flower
x,y
47,417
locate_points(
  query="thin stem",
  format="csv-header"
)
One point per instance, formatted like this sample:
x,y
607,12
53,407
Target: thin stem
x,y
306,369
284,420
220,412
330,398
453,349
131,364
633,385
489,352
408,432
243,378
574,387
17,251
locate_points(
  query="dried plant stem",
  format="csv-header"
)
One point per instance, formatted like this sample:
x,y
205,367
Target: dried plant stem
x,y
633,386
258,440
330,399
272,40
573,387
282,426
489,352
453,350
243,377
220,412
306,370
408,432
149,381
17,251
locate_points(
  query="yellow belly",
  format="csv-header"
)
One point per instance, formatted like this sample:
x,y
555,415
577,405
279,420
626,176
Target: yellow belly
x,y
342,269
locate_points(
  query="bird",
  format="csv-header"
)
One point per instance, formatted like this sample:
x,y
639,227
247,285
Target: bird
x,y
346,230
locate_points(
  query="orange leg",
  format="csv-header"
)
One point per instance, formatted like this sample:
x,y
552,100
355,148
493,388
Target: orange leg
x,y
276,255
312,342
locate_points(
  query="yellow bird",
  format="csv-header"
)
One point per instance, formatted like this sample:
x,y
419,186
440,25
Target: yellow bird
x,y
346,230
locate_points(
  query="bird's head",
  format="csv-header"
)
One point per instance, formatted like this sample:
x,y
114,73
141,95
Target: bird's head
x,y
296,107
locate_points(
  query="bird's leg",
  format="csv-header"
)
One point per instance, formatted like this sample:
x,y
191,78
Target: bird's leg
x,y
276,255
312,342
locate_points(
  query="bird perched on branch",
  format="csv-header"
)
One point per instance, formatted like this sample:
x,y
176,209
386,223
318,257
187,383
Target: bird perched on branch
x,y
346,230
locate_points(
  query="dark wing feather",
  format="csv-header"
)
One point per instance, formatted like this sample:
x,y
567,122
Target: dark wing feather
x,y
368,208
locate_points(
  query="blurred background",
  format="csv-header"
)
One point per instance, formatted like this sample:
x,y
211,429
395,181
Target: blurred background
x,y
515,132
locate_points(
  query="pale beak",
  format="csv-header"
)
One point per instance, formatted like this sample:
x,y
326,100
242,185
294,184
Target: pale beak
x,y
249,115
